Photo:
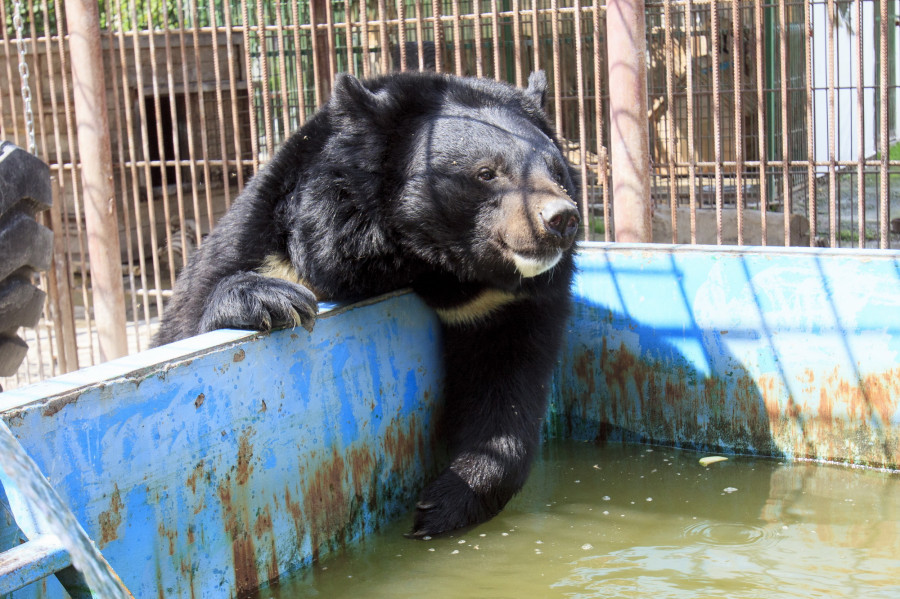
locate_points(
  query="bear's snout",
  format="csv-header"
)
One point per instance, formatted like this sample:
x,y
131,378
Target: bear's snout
x,y
560,219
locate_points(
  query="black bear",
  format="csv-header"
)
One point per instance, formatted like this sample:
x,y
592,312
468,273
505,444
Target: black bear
x,y
454,186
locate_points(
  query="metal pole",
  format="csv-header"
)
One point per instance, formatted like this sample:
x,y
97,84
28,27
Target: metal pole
x,y
89,87
629,123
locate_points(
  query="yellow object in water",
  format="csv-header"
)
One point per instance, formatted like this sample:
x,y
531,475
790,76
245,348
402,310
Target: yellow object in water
x,y
712,460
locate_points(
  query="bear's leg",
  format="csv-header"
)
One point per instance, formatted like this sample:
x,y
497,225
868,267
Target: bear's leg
x,y
497,376
248,300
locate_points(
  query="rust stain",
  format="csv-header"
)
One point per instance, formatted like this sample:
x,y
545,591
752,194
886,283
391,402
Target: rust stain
x,y
111,518
245,457
263,522
196,475
243,553
272,572
296,512
401,445
239,356
199,401
325,501
170,535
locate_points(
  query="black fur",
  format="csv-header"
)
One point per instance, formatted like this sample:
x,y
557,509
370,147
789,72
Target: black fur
x,y
454,186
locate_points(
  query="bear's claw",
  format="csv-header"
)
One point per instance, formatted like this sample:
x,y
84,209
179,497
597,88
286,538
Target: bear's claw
x,y
251,301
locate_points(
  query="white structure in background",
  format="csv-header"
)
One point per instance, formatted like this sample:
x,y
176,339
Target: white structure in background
x,y
846,37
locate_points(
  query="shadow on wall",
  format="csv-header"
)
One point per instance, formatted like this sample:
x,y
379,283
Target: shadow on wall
x,y
769,352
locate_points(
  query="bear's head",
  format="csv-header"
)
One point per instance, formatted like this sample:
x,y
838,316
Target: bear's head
x,y
483,191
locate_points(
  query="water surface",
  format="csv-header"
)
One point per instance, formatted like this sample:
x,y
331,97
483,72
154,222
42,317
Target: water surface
x,y
635,521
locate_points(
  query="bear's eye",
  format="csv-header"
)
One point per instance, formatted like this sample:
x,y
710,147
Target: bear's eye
x,y
486,174
558,176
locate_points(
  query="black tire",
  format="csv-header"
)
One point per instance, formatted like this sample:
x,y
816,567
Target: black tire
x,y
26,247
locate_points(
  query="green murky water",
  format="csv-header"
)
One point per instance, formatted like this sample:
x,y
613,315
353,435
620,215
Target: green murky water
x,y
636,521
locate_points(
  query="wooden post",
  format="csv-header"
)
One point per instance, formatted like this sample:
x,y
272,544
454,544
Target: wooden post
x,y
629,124
89,88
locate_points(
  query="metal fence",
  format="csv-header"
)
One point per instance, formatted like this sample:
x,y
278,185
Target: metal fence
x,y
768,122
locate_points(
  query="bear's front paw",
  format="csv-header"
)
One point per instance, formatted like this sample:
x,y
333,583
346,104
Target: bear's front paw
x,y
447,503
248,300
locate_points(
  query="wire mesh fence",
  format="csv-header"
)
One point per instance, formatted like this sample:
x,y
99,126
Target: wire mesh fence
x,y
769,122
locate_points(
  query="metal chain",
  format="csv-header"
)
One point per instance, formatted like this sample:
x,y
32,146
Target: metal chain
x,y
23,74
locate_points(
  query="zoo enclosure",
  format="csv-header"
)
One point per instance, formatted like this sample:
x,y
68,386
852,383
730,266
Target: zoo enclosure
x,y
768,122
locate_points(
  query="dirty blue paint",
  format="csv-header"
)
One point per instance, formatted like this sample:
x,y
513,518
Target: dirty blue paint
x,y
782,352
211,465
223,460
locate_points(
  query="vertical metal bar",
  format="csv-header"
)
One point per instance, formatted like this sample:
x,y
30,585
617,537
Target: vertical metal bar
x,y
189,125
692,164
668,26
298,63
536,38
236,132
629,127
204,134
761,119
598,112
557,67
717,116
383,36
738,67
59,275
438,36
251,94
479,41
94,148
67,340
163,159
420,34
884,207
331,41
314,45
349,33
282,72
401,33
10,61
457,39
785,134
495,39
130,136
145,148
119,66
832,179
812,210
582,123
860,128
364,37
176,146
517,40
263,59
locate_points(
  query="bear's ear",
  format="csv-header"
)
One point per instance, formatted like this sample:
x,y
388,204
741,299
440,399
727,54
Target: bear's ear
x,y
350,94
537,88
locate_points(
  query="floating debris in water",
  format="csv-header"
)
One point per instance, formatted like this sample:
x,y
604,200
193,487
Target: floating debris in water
x,y
587,546
729,489
712,460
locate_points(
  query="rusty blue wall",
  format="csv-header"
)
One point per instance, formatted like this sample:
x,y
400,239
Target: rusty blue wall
x,y
792,353
217,463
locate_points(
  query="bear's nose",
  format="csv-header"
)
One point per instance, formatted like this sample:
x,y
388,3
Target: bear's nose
x,y
560,218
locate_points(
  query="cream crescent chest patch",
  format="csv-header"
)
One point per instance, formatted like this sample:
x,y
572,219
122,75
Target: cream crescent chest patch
x,y
477,308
